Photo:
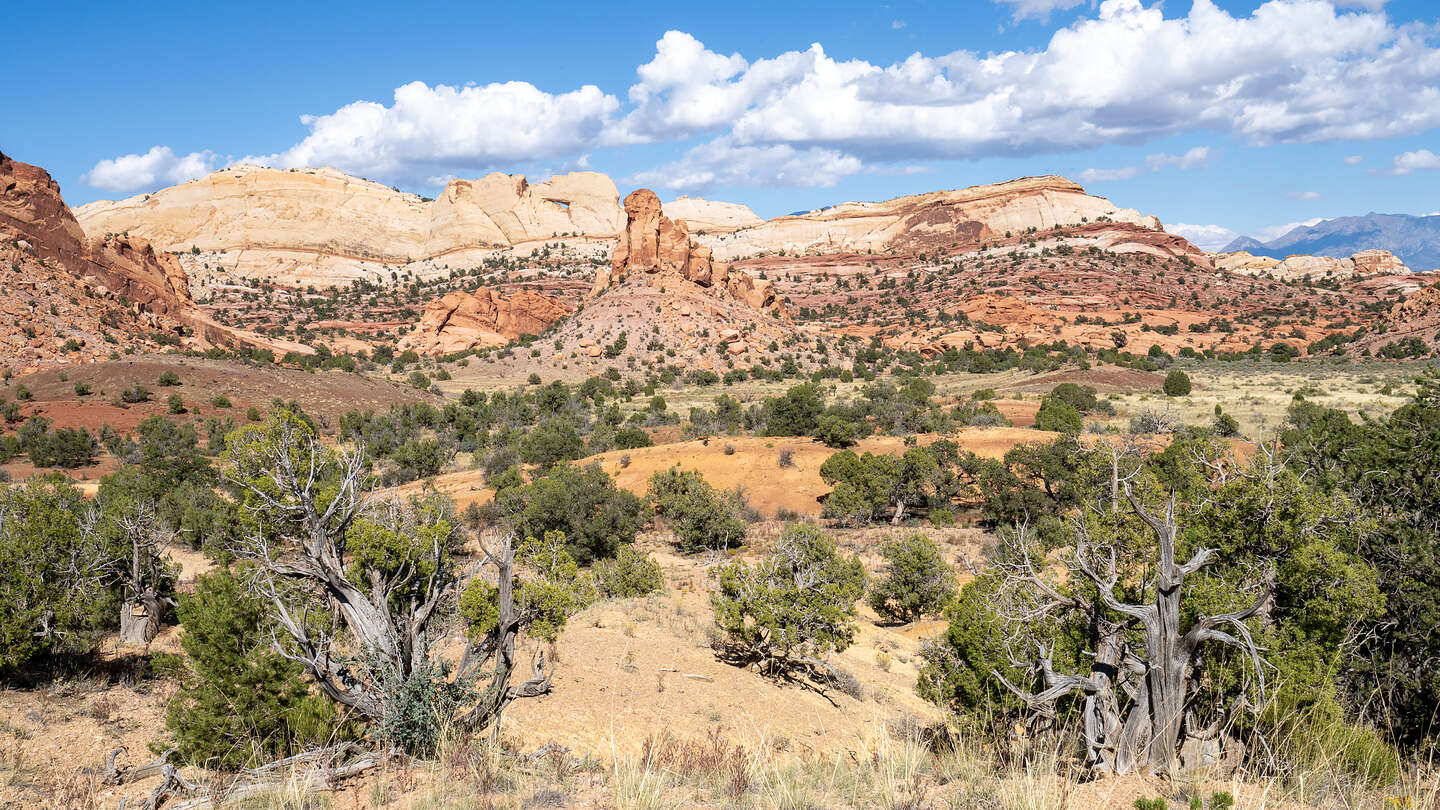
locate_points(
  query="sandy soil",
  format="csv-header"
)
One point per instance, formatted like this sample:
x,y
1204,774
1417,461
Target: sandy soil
x,y
754,465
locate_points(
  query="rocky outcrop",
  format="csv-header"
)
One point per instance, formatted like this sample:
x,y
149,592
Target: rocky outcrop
x,y
1412,323
653,245
946,219
1294,268
32,209
324,227
462,321
710,217
1378,263
115,267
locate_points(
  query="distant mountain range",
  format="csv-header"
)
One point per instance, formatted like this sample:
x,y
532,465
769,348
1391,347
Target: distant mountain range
x,y
1416,240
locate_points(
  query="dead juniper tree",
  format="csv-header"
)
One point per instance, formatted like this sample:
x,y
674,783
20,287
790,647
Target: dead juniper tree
x,y
138,540
362,591
1143,656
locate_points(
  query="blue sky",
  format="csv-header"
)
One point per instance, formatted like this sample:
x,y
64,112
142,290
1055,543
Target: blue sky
x,y
1218,117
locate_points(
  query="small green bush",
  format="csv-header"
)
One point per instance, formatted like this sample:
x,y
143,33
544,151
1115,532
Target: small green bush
x,y
1177,384
916,580
701,517
1058,416
134,394
240,701
168,378
798,603
632,573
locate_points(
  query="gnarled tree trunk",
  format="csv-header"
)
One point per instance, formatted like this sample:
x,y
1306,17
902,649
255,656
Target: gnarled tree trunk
x,y
1146,731
140,618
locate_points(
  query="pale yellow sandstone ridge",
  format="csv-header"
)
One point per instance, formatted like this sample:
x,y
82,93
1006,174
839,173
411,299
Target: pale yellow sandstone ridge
x,y
1293,268
709,216
325,227
937,218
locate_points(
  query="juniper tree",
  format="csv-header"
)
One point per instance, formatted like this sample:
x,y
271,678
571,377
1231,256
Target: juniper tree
x,y
360,590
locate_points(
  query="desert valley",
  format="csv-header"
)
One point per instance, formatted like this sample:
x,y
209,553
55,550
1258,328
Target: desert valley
x,y
573,490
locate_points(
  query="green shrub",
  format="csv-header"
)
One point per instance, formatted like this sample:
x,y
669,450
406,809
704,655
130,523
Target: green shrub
x,y
835,430
916,580
582,502
701,517
134,394
632,573
551,589
798,604
1177,384
168,378
796,413
551,442
1226,425
67,448
1080,397
175,404
82,389
631,438
240,701
1058,416
219,401
51,606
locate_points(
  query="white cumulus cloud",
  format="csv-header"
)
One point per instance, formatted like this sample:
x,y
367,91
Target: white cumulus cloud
x,y
1205,237
1291,71
1108,175
1196,158
1407,162
429,129
720,163
159,166
1304,195
1037,9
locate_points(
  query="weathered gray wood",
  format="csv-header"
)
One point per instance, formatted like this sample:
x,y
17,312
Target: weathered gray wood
x,y
1157,678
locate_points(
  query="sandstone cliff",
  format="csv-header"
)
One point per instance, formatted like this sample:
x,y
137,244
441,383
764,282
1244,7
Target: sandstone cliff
x,y
653,245
122,270
709,216
1293,268
324,227
944,219
462,321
